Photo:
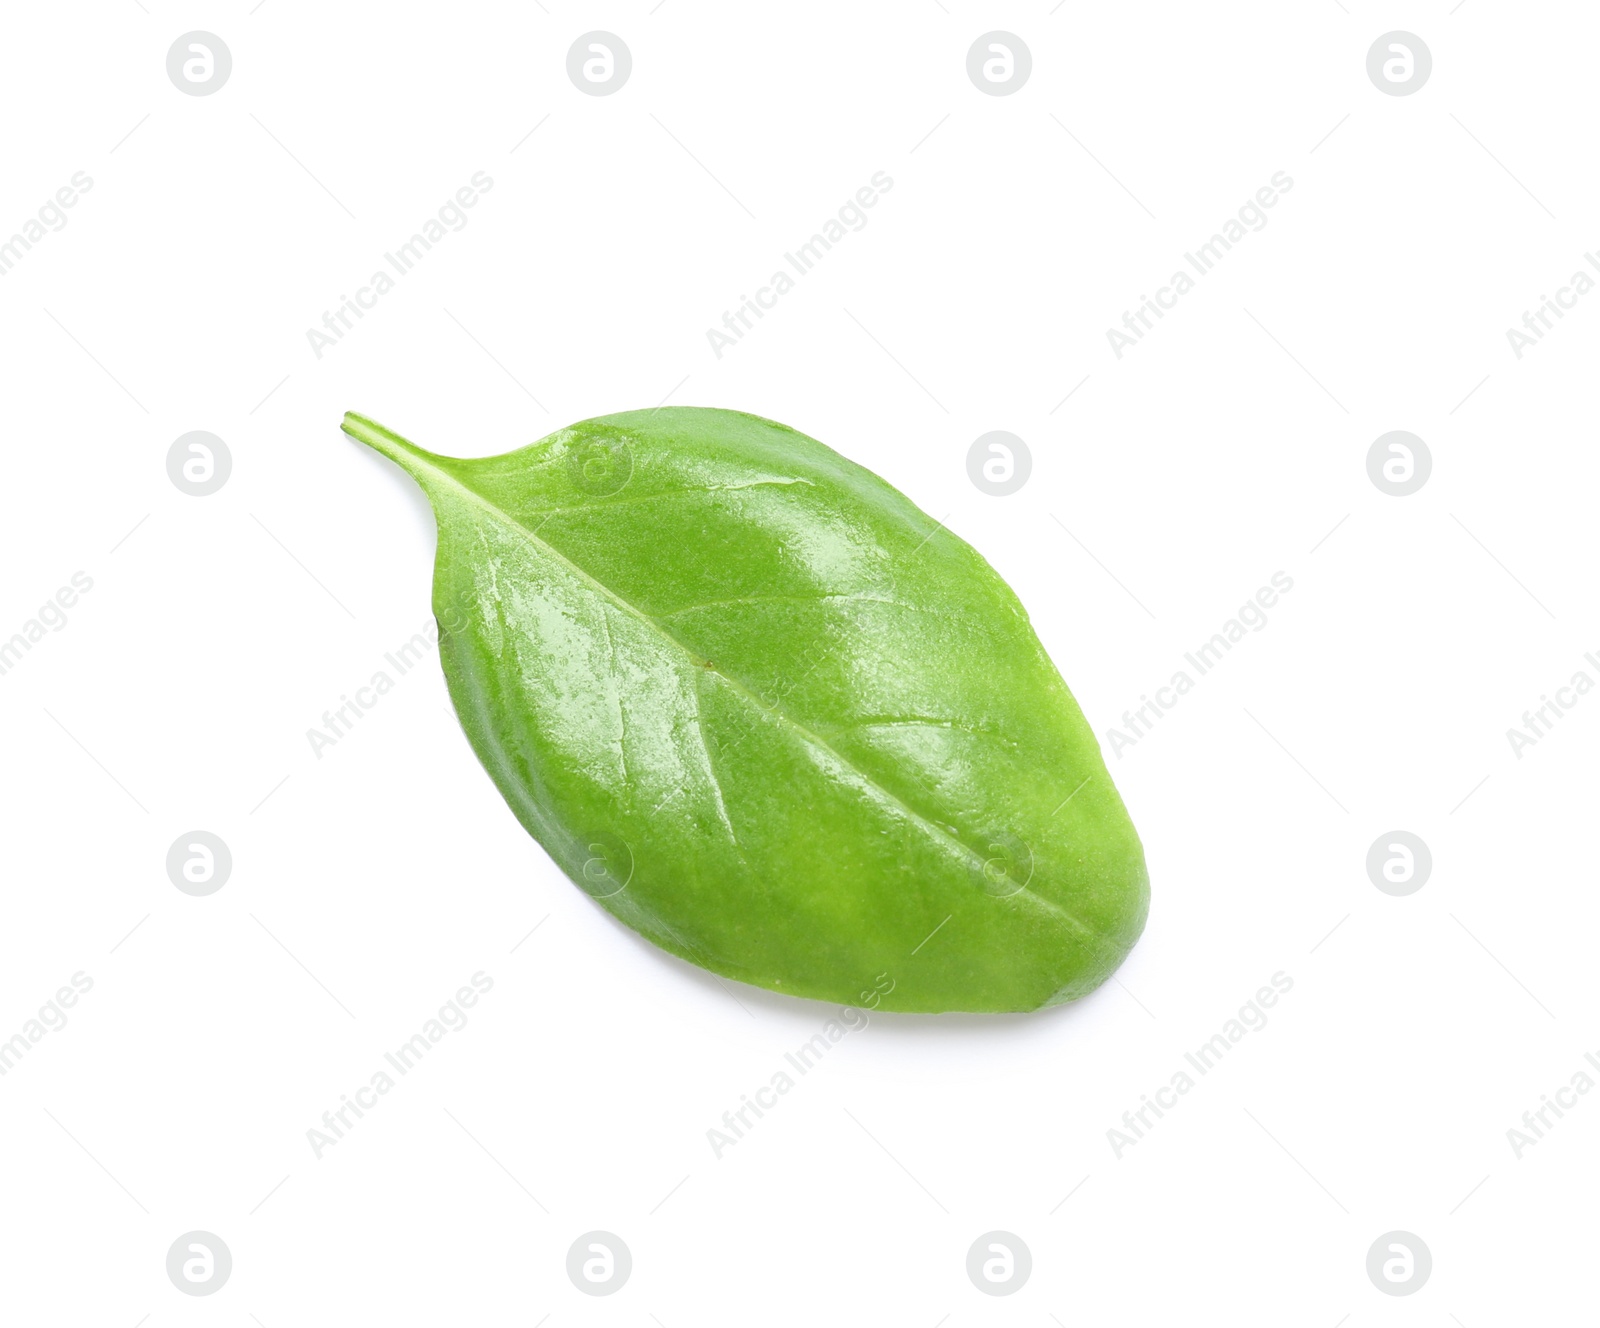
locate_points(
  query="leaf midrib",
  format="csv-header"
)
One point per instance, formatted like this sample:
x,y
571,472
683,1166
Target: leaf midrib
x,y
415,459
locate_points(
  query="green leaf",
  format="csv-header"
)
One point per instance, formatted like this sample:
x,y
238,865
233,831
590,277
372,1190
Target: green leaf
x,y
773,717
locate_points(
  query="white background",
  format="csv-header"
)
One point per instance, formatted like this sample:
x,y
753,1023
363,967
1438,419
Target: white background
x,y
1225,447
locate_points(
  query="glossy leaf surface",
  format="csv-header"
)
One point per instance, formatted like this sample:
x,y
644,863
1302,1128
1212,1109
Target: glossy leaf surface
x,y
775,718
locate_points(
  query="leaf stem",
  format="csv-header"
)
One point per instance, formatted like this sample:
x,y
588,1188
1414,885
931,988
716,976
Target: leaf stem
x,y
416,461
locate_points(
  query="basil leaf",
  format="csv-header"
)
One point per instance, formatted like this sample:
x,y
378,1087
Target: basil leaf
x,y
774,718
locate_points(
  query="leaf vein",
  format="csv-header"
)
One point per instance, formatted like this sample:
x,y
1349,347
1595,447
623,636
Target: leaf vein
x,y
787,599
